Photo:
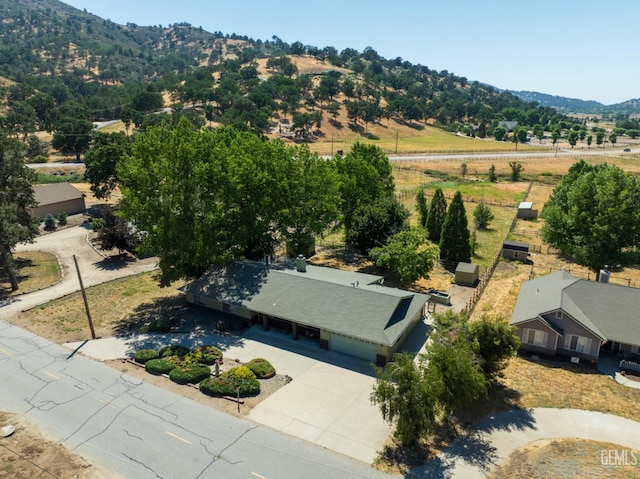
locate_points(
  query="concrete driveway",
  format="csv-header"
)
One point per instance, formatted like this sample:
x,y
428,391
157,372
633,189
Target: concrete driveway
x,y
326,403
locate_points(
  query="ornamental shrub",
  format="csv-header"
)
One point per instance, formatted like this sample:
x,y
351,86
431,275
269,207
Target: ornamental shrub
x,y
190,373
174,350
157,326
145,355
261,368
229,382
159,366
205,354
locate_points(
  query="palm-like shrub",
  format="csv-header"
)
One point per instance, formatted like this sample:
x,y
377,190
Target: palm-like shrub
x,y
261,368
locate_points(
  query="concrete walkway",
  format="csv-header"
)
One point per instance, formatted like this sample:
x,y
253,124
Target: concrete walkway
x,y
496,437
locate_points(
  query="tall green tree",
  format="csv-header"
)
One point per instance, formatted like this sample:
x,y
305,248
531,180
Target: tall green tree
x,y
454,241
73,127
422,206
408,253
494,341
102,159
16,197
593,216
437,214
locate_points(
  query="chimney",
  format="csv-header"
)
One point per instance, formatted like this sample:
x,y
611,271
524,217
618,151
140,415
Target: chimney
x,y
301,264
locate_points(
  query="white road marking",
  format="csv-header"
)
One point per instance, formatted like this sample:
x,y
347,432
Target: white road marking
x,y
177,437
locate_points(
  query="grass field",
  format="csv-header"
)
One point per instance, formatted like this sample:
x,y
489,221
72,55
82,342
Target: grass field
x,y
34,270
565,459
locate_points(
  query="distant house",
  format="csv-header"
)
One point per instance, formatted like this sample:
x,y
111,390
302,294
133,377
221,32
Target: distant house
x,y
526,211
559,314
347,312
56,198
508,125
515,250
467,274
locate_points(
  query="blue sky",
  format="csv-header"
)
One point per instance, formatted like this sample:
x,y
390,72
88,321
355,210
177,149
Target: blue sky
x,y
585,49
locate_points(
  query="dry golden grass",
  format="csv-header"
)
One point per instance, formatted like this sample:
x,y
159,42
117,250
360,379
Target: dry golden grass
x,y
34,270
64,319
565,459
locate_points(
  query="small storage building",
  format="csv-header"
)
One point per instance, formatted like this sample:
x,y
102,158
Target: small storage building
x,y
526,211
57,198
467,274
515,250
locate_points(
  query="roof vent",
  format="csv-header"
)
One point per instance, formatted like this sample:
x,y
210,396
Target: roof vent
x,y
301,264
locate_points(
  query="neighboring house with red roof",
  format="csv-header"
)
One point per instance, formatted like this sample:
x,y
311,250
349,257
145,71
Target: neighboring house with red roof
x,y
56,198
564,315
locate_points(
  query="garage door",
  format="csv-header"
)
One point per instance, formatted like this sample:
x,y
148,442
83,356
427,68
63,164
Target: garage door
x,y
352,347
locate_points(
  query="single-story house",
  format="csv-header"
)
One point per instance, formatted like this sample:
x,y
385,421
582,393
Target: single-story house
x,y
347,312
57,198
508,125
515,250
526,211
564,315
467,274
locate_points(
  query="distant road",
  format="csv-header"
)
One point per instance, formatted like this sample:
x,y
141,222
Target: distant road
x,y
447,156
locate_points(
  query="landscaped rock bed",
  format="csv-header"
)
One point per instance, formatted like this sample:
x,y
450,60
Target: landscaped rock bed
x,y
164,374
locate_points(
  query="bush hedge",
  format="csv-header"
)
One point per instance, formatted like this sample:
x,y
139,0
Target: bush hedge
x,y
159,366
174,350
145,355
157,326
205,354
227,383
261,368
190,373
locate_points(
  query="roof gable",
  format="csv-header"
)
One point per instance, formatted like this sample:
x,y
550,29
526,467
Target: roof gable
x,y
607,310
353,304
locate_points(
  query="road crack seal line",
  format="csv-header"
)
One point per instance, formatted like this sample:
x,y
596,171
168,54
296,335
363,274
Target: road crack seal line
x,y
220,455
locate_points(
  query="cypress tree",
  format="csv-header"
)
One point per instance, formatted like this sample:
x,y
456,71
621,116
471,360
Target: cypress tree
x,y
423,208
454,241
437,214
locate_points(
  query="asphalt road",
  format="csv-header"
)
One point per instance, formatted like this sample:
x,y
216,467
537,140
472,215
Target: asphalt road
x,y
138,430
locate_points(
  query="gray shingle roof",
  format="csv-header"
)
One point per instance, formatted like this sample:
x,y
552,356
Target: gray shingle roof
x,y
349,303
608,310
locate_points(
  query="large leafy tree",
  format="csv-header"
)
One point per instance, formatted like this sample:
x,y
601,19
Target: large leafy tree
x,y
72,129
16,197
409,253
594,215
101,160
203,197
454,241
494,341
408,397
376,222
436,216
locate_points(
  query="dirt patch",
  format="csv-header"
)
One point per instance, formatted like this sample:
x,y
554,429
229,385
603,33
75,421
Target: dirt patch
x,y
29,453
568,459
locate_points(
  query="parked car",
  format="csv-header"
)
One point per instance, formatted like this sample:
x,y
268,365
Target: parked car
x,y
627,150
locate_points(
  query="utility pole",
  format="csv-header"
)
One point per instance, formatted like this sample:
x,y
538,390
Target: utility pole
x,y
396,141
84,297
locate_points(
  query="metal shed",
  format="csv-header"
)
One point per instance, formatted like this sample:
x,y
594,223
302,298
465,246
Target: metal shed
x,y
515,250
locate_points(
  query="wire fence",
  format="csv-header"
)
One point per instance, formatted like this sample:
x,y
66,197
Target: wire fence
x,y
588,275
472,302
412,192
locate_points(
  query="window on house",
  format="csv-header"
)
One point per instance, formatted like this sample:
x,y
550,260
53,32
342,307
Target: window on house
x,y
535,337
576,343
635,349
558,314
515,254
